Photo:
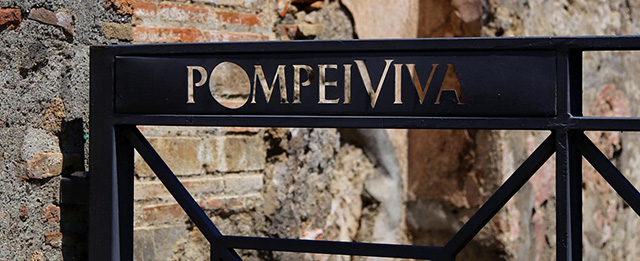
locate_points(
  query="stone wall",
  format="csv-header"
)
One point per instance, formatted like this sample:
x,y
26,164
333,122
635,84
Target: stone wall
x,y
44,97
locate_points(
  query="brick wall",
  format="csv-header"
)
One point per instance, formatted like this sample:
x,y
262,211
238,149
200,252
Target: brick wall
x,y
222,168
202,21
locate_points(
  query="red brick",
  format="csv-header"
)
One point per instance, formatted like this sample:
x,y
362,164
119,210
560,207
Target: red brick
x,y
241,129
183,13
10,18
242,4
156,190
227,17
173,213
214,203
166,35
163,213
51,214
219,36
144,9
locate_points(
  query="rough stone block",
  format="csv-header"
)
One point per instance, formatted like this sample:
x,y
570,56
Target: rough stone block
x,y
51,214
53,239
289,30
53,115
117,31
310,30
62,18
122,7
44,165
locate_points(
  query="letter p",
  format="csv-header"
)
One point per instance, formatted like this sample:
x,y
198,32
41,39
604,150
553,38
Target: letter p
x,y
203,79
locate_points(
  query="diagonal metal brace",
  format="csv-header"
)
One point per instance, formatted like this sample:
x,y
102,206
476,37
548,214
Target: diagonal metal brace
x,y
177,190
609,172
500,198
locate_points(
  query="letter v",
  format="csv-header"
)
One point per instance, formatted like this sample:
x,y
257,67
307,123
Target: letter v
x,y
366,79
422,92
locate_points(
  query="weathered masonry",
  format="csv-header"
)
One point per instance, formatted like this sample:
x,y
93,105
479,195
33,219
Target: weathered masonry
x,y
508,83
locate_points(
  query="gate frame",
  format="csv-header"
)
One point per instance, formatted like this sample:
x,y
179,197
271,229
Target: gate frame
x,y
114,137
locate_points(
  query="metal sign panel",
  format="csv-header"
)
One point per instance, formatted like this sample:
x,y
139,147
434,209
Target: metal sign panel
x,y
498,83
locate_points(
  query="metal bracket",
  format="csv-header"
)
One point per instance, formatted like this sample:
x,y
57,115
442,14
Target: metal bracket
x,y
74,189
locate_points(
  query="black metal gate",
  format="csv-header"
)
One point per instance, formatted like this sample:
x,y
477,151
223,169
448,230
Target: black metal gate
x,y
507,83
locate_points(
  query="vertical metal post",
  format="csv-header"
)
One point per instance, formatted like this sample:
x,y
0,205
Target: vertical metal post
x,y
124,167
568,198
568,159
104,229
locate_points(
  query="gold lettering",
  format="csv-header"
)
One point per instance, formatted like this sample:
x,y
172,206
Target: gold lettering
x,y
398,96
422,92
258,76
347,83
364,73
451,82
203,79
296,80
322,84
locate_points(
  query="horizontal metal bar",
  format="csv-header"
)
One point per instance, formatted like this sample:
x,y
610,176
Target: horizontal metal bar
x,y
501,196
602,123
433,44
534,123
520,123
331,247
609,172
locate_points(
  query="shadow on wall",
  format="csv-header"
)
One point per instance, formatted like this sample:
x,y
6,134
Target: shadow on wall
x,y
74,211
